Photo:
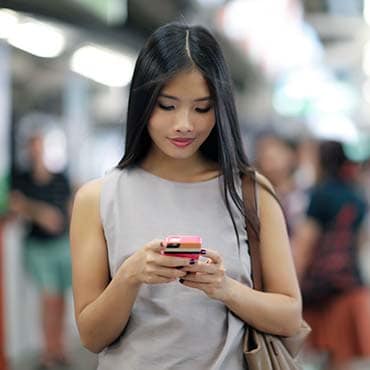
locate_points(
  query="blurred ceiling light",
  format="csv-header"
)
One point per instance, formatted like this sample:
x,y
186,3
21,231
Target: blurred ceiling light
x,y
336,97
334,127
8,22
38,38
273,33
313,90
55,150
103,65
111,11
366,11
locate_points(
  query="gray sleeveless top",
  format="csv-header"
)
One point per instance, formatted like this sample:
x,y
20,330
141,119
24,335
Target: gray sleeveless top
x,y
172,326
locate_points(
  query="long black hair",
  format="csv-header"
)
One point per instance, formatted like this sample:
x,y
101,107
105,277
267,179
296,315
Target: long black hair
x,y
171,49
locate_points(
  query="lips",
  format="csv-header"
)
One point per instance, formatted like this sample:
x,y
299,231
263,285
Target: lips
x,y
181,142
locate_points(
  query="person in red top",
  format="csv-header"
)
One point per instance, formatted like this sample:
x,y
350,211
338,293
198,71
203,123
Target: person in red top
x,y
335,300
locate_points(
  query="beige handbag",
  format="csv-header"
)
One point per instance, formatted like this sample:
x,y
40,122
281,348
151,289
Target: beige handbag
x,y
264,351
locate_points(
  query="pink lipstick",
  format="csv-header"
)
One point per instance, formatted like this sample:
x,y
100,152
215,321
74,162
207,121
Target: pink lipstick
x,y
181,142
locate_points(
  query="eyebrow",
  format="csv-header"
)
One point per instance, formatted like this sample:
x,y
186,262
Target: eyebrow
x,y
205,98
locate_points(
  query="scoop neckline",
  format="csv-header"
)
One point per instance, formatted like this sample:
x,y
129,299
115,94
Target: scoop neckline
x,y
181,183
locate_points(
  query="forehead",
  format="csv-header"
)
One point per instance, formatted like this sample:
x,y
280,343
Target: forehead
x,y
185,84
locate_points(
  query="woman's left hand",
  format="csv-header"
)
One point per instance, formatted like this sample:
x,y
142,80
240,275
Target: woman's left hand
x,y
207,276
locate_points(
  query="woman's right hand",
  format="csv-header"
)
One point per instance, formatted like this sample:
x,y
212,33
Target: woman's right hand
x,y
149,266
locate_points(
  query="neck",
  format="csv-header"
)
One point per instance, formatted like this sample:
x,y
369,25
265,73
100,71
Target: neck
x,y
195,168
40,173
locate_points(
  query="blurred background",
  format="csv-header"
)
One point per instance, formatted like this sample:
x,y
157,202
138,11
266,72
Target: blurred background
x,y
301,74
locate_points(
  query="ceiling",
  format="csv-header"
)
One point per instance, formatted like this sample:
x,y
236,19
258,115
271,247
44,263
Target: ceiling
x,y
39,83
341,29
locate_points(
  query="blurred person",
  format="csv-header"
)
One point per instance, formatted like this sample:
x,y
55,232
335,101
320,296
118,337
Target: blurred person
x,y
42,198
307,159
276,158
364,242
365,178
180,174
336,302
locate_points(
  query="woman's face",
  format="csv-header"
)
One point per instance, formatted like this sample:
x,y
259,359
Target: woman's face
x,y
183,116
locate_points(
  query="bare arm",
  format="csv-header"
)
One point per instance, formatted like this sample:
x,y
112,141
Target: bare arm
x,y
303,242
42,213
278,310
103,306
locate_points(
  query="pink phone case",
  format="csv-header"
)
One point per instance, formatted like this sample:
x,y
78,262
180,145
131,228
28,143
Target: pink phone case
x,y
187,246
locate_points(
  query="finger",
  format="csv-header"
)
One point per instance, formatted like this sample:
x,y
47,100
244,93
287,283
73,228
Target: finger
x,y
213,255
157,279
169,261
199,278
196,285
207,268
154,245
169,272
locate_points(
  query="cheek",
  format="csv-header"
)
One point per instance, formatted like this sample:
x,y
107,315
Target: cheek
x,y
207,124
154,118
156,123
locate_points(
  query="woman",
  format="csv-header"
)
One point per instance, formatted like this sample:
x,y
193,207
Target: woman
x,y
180,175
336,303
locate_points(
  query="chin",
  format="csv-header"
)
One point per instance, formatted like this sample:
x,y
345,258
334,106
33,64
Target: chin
x,y
181,156
184,154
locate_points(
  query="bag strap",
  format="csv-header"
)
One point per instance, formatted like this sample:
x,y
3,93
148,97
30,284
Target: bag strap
x,y
250,207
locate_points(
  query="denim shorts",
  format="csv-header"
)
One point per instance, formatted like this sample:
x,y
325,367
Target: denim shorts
x,y
49,263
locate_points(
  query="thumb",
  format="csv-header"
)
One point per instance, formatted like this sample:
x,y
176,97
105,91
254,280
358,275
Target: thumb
x,y
155,245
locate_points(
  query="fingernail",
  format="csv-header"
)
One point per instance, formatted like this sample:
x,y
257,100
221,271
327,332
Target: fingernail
x,y
161,244
203,251
181,281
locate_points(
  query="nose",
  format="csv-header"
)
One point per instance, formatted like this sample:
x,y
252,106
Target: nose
x,y
183,122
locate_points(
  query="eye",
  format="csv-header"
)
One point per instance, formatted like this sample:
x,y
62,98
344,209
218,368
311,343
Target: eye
x,y
203,110
166,107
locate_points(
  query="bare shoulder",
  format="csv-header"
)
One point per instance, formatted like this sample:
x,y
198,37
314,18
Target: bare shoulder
x,y
267,198
264,182
86,208
89,193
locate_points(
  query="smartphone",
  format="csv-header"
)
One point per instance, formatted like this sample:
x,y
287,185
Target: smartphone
x,y
187,246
